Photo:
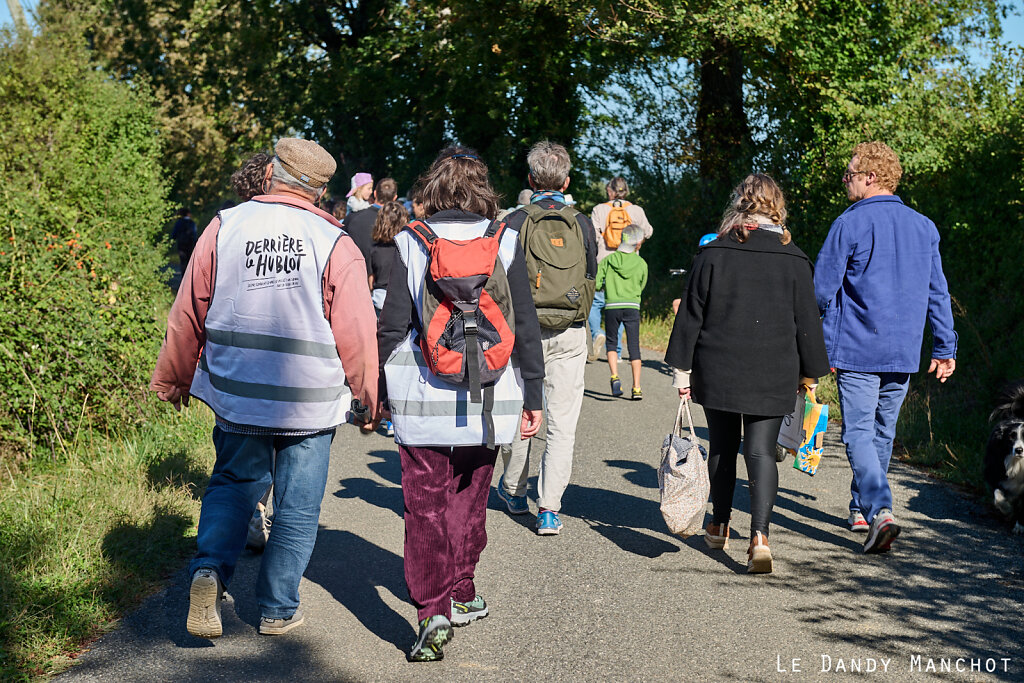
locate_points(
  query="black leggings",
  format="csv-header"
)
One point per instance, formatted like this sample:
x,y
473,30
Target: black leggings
x,y
759,437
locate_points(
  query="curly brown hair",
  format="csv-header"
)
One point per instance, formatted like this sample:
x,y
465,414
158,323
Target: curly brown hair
x,y
391,218
247,181
758,194
458,180
878,158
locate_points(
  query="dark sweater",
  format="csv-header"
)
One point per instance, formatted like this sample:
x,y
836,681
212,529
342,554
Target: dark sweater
x,y
748,326
382,256
359,226
399,315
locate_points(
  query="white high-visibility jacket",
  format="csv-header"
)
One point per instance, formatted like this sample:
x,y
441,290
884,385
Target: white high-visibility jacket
x,y
426,410
270,358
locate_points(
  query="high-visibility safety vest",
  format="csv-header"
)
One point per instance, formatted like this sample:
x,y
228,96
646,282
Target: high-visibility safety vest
x,y
270,358
425,409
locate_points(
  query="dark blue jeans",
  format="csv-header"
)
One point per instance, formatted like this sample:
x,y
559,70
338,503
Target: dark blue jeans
x,y
244,469
871,403
596,318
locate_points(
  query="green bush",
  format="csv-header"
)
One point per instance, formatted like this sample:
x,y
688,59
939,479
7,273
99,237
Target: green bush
x,y
81,207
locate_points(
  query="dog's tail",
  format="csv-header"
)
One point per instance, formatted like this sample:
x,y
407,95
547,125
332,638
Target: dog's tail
x,y
1010,402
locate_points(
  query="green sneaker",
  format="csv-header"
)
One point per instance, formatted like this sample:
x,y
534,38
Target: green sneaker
x,y
435,632
465,612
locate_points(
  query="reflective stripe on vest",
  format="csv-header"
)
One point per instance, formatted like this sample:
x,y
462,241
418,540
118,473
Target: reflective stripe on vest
x,y
426,410
270,358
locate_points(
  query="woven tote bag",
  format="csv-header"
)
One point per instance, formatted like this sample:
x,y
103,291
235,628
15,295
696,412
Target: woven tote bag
x,y
683,477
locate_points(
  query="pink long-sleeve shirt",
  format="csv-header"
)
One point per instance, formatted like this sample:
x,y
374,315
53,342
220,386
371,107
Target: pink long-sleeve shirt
x,y
347,307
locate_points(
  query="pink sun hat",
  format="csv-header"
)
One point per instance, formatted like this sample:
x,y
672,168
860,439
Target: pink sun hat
x,y
358,180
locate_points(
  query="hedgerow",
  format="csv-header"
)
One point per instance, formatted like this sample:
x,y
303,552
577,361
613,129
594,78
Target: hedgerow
x,y
82,203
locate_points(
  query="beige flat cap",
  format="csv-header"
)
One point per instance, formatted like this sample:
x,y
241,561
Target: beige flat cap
x,y
306,161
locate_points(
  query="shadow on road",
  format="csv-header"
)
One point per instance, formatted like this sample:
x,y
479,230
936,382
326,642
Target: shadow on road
x,y
351,569
373,492
390,466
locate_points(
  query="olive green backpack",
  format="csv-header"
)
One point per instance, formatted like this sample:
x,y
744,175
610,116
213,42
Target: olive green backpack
x,y
556,262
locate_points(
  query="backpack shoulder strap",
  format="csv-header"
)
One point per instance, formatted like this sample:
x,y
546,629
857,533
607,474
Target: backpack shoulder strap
x,y
422,232
515,220
497,227
569,213
566,213
534,211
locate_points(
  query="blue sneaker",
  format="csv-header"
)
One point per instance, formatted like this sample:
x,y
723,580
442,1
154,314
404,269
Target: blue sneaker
x,y
548,523
517,505
389,428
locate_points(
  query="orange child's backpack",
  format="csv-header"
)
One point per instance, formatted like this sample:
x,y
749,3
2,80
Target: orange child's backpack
x,y
617,221
468,325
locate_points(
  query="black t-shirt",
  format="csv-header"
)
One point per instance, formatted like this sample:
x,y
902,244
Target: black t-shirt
x,y
381,258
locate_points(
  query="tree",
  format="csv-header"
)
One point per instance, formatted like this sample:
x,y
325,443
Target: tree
x,y
382,84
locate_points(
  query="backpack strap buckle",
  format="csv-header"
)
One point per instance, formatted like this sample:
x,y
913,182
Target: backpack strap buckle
x,y
471,329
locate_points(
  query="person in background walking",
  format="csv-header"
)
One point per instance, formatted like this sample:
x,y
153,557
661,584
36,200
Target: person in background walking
x,y
608,226
276,301
359,225
878,279
247,182
391,218
561,263
250,179
622,277
746,336
184,234
360,192
446,464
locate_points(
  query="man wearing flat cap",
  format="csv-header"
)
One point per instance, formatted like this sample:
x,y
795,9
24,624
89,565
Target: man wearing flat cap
x,y
274,329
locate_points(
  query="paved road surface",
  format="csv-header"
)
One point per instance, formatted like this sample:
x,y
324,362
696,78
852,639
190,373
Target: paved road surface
x,y
615,597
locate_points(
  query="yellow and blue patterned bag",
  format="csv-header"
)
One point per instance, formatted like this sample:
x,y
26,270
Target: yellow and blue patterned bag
x,y
803,431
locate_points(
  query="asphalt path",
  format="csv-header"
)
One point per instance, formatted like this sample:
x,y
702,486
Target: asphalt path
x,y
616,597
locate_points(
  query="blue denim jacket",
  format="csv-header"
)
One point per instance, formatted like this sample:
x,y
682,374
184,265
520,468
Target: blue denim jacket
x,y
877,280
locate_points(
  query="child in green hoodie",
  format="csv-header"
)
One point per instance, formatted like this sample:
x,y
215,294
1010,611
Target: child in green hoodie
x,y
623,276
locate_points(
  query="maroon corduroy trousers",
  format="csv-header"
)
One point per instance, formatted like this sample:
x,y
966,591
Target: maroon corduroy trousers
x,y
445,492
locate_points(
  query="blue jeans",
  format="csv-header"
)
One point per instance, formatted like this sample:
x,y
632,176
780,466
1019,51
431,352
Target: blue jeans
x,y
244,469
871,403
596,318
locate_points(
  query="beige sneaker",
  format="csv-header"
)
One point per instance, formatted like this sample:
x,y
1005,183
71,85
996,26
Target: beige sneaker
x,y
759,555
204,605
276,627
259,530
717,536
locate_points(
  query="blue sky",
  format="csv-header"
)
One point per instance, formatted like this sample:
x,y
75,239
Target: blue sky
x,y
1013,26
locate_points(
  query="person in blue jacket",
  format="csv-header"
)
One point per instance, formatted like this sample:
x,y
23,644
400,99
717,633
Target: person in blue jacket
x,y
877,280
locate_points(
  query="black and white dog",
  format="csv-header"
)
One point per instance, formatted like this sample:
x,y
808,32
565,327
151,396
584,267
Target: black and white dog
x,y
1004,455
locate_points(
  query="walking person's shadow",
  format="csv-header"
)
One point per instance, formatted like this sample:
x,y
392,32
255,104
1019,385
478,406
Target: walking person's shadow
x,y
351,569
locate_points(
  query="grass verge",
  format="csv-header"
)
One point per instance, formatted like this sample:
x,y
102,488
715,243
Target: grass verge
x,y
87,537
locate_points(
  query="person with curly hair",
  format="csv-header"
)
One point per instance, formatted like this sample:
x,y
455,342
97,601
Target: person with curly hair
x,y
746,336
878,279
248,180
391,218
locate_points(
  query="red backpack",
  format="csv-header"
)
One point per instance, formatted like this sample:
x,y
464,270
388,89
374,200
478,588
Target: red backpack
x,y
467,322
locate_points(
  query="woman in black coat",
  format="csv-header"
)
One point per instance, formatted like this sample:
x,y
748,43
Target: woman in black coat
x,y
746,336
